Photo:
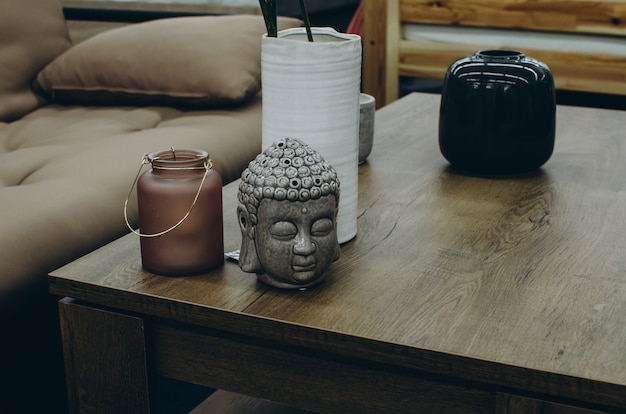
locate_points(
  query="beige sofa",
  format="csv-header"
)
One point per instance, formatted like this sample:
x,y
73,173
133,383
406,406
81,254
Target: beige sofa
x,y
75,121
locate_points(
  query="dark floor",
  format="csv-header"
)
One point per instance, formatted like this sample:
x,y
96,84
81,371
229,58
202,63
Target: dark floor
x,y
177,397
172,397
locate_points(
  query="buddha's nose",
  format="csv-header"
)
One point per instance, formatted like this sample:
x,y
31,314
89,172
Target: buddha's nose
x,y
304,246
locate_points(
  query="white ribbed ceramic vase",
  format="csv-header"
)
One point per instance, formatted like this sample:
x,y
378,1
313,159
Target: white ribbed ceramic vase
x,y
311,92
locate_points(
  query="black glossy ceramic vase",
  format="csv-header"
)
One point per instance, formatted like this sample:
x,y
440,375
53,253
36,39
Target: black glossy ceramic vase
x,y
498,113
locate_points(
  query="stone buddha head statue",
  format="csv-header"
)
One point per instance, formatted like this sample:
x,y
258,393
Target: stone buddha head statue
x,y
288,199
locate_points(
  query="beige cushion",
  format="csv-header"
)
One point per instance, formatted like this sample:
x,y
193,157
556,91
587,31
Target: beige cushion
x,y
32,33
203,62
65,172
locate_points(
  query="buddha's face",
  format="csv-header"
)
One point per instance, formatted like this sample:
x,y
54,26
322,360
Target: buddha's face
x,y
296,241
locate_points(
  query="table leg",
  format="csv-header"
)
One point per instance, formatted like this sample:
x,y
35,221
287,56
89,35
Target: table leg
x,y
105,360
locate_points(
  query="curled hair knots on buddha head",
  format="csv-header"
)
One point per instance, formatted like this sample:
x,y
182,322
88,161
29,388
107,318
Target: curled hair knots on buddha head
x,y
288,170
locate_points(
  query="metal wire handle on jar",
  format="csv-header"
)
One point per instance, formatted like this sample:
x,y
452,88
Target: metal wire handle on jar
x,y
208,164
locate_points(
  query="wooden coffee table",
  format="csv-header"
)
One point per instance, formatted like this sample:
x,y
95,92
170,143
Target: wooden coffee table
x,y
459,293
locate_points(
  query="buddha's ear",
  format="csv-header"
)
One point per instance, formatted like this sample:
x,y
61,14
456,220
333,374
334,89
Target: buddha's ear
x,y
337,248
248,258
337,252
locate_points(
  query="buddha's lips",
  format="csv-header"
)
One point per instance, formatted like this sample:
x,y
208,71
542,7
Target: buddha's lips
x,y
304,269
303,264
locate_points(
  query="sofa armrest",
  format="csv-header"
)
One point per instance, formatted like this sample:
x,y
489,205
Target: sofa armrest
x,y
122,15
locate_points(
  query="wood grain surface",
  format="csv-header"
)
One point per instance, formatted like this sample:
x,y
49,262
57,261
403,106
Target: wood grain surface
x,y
603,17
578,71
516,282
91,335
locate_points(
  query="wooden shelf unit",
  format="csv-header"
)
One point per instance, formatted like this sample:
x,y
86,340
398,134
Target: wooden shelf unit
x,y
387,55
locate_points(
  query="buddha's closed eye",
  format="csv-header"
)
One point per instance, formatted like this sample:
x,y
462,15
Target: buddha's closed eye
x,y
284,230
322,227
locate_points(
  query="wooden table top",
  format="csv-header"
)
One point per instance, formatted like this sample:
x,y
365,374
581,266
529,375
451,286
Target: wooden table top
x,y
518,281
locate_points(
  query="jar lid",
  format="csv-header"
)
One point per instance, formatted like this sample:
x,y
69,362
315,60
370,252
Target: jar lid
x,y
500,54
178,158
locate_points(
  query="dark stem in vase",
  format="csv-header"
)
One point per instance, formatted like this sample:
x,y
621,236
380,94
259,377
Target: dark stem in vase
x,y
307,23
268,8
